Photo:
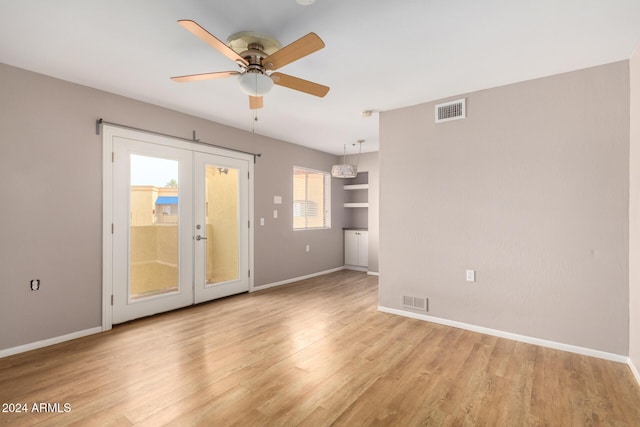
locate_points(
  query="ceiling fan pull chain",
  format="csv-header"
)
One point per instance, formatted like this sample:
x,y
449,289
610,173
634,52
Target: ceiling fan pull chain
x,y
254,121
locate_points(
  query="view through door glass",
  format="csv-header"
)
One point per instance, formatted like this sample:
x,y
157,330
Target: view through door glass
x,y
221,217
154,224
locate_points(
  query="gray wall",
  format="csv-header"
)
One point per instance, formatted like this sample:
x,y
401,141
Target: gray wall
x,y
51,169
369,162
634,214
531,191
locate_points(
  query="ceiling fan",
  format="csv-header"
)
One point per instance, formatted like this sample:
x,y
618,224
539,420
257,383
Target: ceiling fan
x,y
258,56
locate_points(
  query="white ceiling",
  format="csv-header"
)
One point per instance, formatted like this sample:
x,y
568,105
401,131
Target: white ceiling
x,y
379,55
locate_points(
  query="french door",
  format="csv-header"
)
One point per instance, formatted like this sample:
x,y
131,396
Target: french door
x,y
222,224
180,224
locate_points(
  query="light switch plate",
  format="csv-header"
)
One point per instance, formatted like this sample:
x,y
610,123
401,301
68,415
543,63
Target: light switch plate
x,y
277,200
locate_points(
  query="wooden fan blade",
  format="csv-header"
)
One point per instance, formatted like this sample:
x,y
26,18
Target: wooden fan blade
x,y
299,84
298,49
255,102
204,76
212,40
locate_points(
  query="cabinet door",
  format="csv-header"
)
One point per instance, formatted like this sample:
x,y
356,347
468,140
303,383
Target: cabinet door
x,y
350,247
363,248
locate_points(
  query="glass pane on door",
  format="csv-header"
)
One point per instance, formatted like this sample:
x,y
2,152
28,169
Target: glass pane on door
x,y
222,222
153,227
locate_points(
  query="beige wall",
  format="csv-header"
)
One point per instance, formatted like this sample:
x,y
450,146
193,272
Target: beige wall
x,y
143,204
51,156
222,225
634,214
154,258
153,244
531,190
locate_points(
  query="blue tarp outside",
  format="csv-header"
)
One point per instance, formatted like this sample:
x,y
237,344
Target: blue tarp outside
x,y
167,200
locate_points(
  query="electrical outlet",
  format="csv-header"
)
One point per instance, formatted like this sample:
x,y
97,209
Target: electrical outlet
x,y
275,214
471,275
308,248
261,221
35,284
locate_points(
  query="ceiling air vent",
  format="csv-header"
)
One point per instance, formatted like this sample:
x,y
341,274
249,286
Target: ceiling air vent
x,y
452,110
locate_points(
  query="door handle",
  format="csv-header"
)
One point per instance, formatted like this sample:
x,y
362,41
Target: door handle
x,y
200,238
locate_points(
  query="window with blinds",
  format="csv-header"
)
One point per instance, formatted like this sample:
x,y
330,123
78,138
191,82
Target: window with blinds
x,y
311,199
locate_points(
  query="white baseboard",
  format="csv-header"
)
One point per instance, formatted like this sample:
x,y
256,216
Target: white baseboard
x,y
48,342
355,268
635,371
373,273
295,279
508,335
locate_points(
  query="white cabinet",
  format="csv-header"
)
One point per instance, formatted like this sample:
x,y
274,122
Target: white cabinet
x,y
356,248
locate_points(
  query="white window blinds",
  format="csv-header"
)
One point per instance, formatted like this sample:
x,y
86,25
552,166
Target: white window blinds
x,y
311,199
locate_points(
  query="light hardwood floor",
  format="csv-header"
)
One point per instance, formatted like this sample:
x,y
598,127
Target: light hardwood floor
x,y
314,353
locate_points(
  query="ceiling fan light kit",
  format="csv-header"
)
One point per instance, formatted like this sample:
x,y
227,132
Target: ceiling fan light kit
x,y
255,84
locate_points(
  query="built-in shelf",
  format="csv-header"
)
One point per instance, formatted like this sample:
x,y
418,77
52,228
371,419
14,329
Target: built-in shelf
x,y
356,187
356,201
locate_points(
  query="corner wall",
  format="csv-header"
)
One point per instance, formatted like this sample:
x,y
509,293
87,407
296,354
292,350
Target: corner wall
x,y
531,190
51,166
369,162
634,215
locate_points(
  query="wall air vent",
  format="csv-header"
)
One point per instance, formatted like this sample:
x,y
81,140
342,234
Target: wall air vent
x,y
452,110
415,303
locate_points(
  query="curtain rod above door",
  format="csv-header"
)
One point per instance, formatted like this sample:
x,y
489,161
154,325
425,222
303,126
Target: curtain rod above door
x,y
100,122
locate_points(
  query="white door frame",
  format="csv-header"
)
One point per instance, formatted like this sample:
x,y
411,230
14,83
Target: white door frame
x,y
109,132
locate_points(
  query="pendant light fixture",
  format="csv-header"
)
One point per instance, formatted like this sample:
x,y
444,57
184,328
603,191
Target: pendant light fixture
x,y
347,170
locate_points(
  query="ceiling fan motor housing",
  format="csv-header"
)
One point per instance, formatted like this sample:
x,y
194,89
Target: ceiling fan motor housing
x,y
255,54
254,81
